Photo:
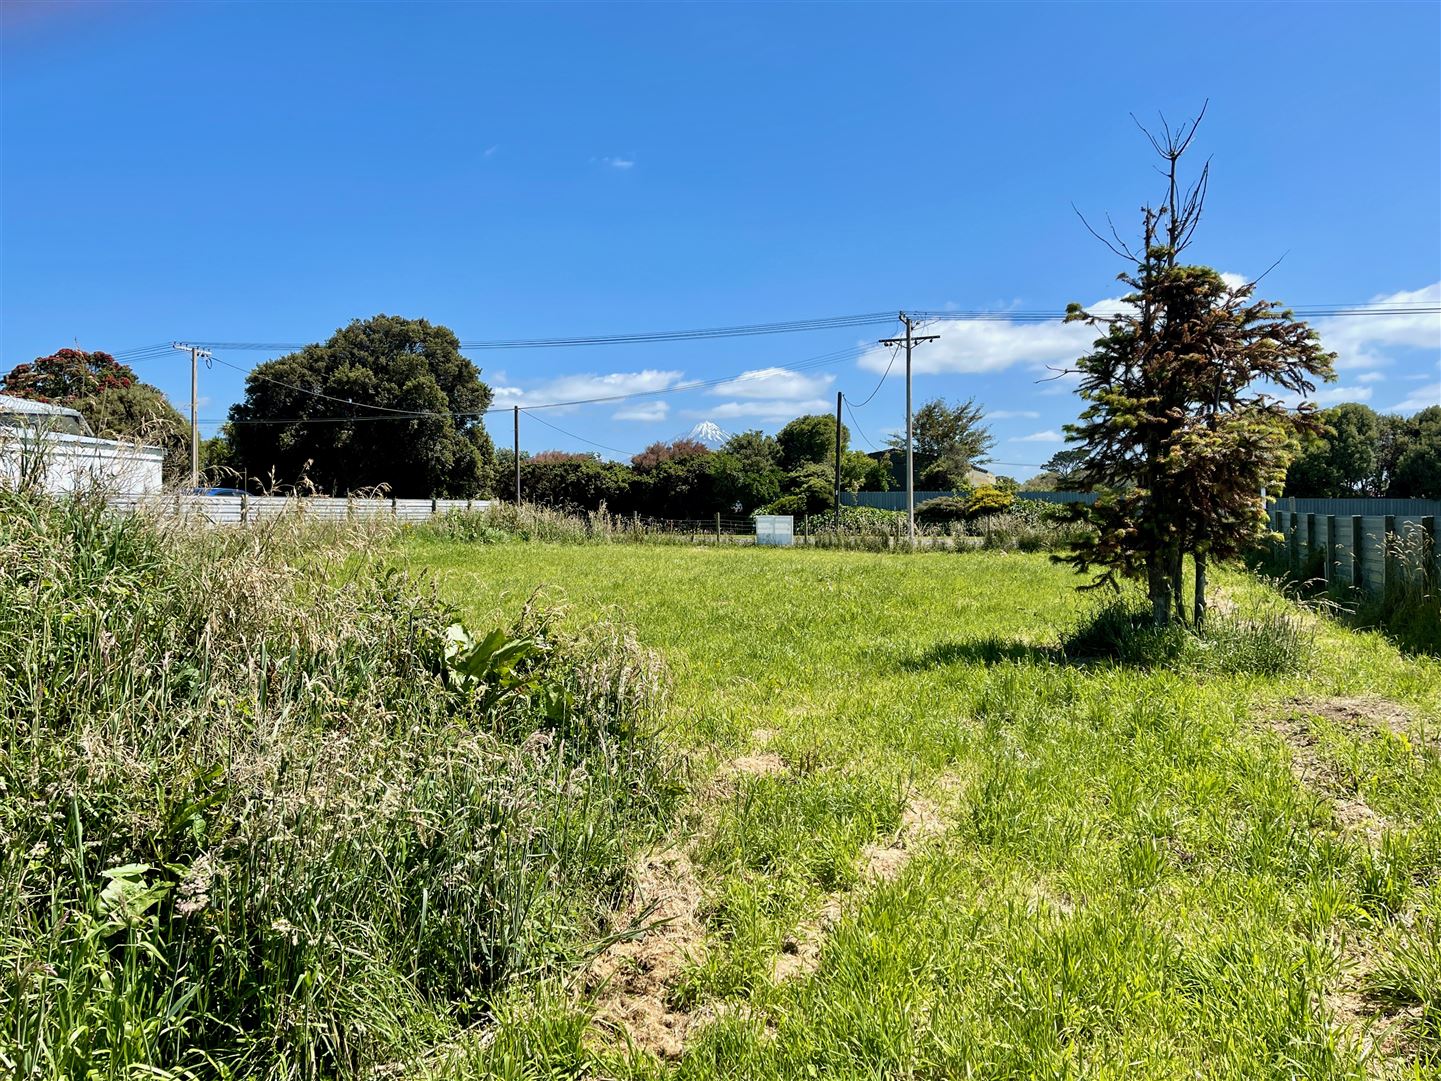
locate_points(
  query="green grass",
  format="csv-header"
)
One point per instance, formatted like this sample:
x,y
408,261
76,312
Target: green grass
x,y
1131,880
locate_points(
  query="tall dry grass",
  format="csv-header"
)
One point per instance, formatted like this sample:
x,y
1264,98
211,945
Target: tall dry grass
x,y
250,827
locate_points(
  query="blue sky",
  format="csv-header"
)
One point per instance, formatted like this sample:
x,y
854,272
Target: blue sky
x,y
269,172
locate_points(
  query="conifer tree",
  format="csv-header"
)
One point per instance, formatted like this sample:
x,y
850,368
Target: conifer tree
x,y
1183,426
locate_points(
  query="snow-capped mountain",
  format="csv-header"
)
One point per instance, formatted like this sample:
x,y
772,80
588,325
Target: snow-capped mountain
x,y
709,433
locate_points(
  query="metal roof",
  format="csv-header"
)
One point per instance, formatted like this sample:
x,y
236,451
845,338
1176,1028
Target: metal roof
x,y
9,404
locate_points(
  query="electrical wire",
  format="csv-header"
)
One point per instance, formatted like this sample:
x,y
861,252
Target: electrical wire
x,y
895,352
583,439
852,413
400,414
407,413
1314,311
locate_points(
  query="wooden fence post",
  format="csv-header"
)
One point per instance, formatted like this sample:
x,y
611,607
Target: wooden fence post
x,y
1430,573
1358,556
1293,543
1331,562
1388,552
717,529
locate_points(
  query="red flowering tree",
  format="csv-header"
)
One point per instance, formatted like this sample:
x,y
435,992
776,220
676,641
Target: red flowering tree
x,y
68,376
108,394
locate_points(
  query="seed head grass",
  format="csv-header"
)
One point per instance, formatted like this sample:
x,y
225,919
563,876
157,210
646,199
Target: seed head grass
x,y
249,826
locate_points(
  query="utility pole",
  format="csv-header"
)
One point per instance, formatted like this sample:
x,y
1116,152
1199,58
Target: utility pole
x,y
517,456
908,341
838,467
195,355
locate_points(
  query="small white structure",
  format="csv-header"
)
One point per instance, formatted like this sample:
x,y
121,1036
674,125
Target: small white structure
x,y
776,529
51,448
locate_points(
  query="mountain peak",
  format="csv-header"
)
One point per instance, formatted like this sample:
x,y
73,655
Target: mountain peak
x,y
709,433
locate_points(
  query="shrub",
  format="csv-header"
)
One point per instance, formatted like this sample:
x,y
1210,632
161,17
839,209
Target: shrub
x,y
944,509
253,827
988,499
787,504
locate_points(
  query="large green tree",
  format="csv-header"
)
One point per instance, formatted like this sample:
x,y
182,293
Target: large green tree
x,y
1341,460
948,441
810,440
1181,428
387,401
1418,460
747,471
109,395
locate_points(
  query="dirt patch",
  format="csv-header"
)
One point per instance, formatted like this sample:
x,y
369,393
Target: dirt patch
x,y
1367,713
763,764
1380,1032
632,980
921,820
1315,773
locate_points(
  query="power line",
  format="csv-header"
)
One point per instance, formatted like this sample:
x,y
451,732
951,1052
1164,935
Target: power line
x,y
402,414
407,413
1315,311
583,439
895,352
857,423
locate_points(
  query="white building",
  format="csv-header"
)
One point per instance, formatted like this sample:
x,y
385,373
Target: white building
x,y
51,447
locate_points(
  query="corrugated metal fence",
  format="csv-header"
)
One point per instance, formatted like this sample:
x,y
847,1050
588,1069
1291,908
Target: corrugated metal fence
x,y
1371,552
1351,507
897,500
234,509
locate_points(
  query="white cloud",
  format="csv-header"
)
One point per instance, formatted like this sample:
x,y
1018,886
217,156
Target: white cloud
x,y
773,383
1039,437
1009,414
1370,377
582,386
619,163
972,345
770,394
1424,397
773,409
1363,341
643,411
1337,394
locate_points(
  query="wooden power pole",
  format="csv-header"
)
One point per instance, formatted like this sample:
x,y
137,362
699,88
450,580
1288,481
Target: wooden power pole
x,y
195,355
909,341
517,456
838,467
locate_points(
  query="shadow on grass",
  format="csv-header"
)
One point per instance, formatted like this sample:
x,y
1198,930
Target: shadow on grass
x,y
985,651
1267,642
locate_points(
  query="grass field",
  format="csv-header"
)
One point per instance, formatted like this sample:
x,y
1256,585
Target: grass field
x,y
916,844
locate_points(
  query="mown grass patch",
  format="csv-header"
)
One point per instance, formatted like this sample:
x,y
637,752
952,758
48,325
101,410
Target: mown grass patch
x,y
1134,880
